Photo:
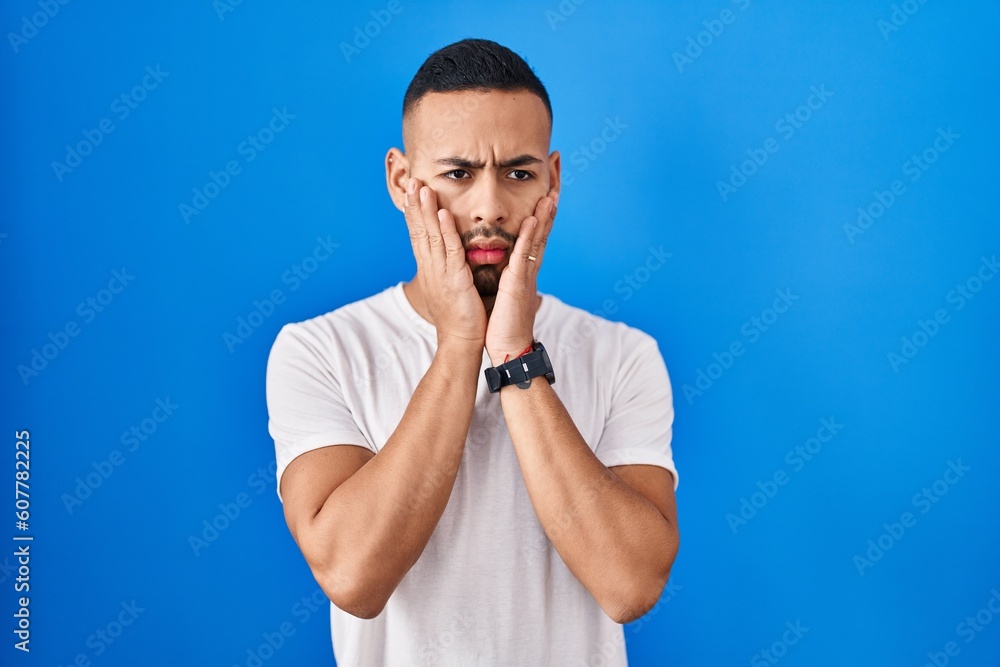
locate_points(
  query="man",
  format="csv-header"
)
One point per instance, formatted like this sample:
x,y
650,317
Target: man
x,y
448,523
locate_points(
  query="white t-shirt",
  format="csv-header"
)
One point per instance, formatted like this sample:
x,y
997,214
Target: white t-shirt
x,y
489,588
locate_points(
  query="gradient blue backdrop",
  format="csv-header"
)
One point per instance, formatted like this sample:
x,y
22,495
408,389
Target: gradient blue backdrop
x,y
693,94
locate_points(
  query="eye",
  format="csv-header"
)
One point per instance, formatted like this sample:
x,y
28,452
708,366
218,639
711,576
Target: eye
x,y
455,171
527,175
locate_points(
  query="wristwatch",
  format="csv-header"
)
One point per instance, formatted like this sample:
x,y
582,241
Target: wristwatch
x,y
521,369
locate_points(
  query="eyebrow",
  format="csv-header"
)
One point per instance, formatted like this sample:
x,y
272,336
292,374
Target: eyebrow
x,y
465,163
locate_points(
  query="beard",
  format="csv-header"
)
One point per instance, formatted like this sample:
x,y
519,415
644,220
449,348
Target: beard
x,y
486,278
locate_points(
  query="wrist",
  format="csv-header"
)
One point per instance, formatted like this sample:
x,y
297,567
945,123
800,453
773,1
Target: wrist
x,y
521,369
452,347
505,353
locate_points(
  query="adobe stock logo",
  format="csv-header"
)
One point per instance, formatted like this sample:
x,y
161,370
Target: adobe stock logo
x,y
294,276
628,285
786,126
565,9
968,630
587,154
122,107
139,433
796,458
230,511
963,292
381,18
223,7
923,500
38,20
753,329
307,607
104,637
87,310
898,18
714,28
248,149
914,168
779,649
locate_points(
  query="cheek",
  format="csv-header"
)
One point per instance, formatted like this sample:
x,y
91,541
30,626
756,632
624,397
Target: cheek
x,y
449,196
527,203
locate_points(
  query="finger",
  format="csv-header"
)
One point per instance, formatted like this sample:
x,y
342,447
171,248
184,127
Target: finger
x,y
429,214
519,262
454,250
414,223
545,212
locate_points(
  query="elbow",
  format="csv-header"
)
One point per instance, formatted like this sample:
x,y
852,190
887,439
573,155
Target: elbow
x,y
639,598
635,604
361,608
631,608
350,593
344,584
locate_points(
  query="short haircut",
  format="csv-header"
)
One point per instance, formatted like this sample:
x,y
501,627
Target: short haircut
x,y
473,64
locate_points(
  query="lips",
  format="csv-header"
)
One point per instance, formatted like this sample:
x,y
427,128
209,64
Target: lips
x,y
488,245
486,252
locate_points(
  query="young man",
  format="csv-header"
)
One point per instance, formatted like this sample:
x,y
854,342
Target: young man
x,y
455,514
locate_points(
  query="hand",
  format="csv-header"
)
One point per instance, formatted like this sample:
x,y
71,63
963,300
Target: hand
x,y
512,321
444,276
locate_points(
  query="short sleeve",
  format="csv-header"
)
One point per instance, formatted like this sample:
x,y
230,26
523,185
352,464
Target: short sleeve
x,y
305,405
639,429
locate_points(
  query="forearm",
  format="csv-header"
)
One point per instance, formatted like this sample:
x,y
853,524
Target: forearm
x,y
375,525
614,540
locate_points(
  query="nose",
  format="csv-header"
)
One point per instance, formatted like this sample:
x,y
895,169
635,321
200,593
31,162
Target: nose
x,y
487,202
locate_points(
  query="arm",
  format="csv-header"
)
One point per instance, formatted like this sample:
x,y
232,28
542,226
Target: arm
x,y
618,541
363,520
616,533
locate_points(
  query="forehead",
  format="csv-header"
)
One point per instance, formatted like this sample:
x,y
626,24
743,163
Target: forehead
x,y
477,124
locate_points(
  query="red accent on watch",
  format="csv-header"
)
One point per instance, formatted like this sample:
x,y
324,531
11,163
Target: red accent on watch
x,y
526,351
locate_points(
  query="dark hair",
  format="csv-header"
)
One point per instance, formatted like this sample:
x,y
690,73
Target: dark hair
x,y
473,64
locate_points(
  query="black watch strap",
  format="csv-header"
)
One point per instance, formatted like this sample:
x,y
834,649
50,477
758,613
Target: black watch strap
x,y
519,369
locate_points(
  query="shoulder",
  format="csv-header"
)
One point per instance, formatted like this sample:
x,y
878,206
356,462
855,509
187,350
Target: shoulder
x,y
575,330
325,334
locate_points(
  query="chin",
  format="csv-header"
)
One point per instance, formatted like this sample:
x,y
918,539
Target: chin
x,y
486,279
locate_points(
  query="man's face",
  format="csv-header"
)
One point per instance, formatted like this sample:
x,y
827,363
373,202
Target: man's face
x,y
485,155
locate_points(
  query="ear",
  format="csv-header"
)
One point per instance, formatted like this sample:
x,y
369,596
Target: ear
x,y
555,177
397,172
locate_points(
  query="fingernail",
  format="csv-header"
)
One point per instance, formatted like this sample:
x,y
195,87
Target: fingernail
x,y
552,207
423,194
411,185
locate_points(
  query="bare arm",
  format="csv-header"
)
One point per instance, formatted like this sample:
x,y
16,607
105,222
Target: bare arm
x,y
616,529
361,536
362,520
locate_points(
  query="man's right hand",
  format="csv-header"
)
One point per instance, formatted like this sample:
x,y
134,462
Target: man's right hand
x,y
444,276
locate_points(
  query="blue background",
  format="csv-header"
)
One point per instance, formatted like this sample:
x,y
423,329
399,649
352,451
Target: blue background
x,y
688,124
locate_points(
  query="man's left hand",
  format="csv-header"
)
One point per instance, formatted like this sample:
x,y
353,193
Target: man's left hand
x,y
511,324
